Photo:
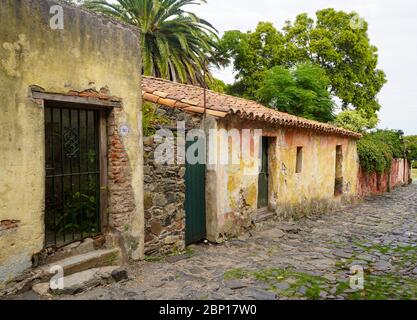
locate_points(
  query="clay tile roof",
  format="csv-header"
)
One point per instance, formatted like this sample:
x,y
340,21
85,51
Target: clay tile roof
x,y
191,99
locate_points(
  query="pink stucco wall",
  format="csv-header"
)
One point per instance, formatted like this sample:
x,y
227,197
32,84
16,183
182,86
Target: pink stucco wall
x,y
375,184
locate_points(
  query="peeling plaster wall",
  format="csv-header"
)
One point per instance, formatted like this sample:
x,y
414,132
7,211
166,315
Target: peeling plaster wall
x,y
377,184
231,189
91,52
312,190
234,200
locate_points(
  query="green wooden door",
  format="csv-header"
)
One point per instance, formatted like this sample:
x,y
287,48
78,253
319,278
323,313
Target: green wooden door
x,y
195,201
263,176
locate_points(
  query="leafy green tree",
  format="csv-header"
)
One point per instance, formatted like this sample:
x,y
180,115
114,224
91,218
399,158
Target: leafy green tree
x,y
337,41
252,54
217,85
355,120
176,44
302,91
411,147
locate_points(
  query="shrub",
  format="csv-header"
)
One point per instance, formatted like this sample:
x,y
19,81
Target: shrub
x,y
151,118
377,150
411,147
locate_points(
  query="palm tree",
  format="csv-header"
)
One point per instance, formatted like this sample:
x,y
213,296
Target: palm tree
x,y
176,44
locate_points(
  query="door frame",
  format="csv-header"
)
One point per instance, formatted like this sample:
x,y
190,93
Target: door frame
x,y
265,140
203,208
104,107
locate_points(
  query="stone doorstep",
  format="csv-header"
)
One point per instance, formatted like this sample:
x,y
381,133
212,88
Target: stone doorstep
x,y
48,256
71,265
73,249
79,282
264,215
82,262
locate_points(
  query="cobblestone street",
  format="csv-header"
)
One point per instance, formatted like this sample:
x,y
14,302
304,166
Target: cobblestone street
x,y
310,259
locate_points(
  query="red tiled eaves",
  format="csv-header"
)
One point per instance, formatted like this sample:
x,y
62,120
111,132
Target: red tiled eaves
x,y
191,99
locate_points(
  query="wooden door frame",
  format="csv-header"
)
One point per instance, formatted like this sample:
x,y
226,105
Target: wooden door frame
x,y
104,107
204,208
267,139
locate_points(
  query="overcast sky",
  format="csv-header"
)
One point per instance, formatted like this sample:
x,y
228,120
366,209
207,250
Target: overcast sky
x,y
392,29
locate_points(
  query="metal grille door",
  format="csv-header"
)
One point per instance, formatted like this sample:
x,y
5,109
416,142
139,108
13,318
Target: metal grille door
x,y
72,210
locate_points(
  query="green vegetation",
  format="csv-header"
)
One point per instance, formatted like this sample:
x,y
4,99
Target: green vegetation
x,y
411,146
237,273
154,258
298,284
382,287
78,213
294,284
355,120
151,118
377,150
302,91
176,44
217,85
332,41
387,286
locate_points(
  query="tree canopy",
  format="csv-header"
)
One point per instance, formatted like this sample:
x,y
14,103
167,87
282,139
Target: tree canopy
x,y
302,91
355,120
336,41
411,146
176,44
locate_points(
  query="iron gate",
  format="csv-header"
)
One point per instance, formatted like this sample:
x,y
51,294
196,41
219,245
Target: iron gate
x,y
72,198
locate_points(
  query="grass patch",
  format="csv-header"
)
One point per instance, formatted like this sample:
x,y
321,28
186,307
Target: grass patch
x,y
154,258
303,285
382,287
402,255
297,284
235,274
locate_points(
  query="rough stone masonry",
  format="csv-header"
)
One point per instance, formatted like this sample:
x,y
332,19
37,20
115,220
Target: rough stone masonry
x,y
164,194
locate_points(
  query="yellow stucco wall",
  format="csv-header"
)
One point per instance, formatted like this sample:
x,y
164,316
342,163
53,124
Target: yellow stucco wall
x,y
317,179
89,53
290,193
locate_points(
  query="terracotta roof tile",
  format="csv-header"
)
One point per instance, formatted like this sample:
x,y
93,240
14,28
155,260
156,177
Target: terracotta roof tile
x,y
191,98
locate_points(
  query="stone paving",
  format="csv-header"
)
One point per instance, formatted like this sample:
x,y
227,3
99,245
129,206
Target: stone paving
x,y
306,259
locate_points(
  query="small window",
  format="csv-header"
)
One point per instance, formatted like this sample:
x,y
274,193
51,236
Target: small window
x,y
299,165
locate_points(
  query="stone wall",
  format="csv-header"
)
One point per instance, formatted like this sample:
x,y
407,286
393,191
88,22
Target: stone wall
x,y
165,192
376,184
